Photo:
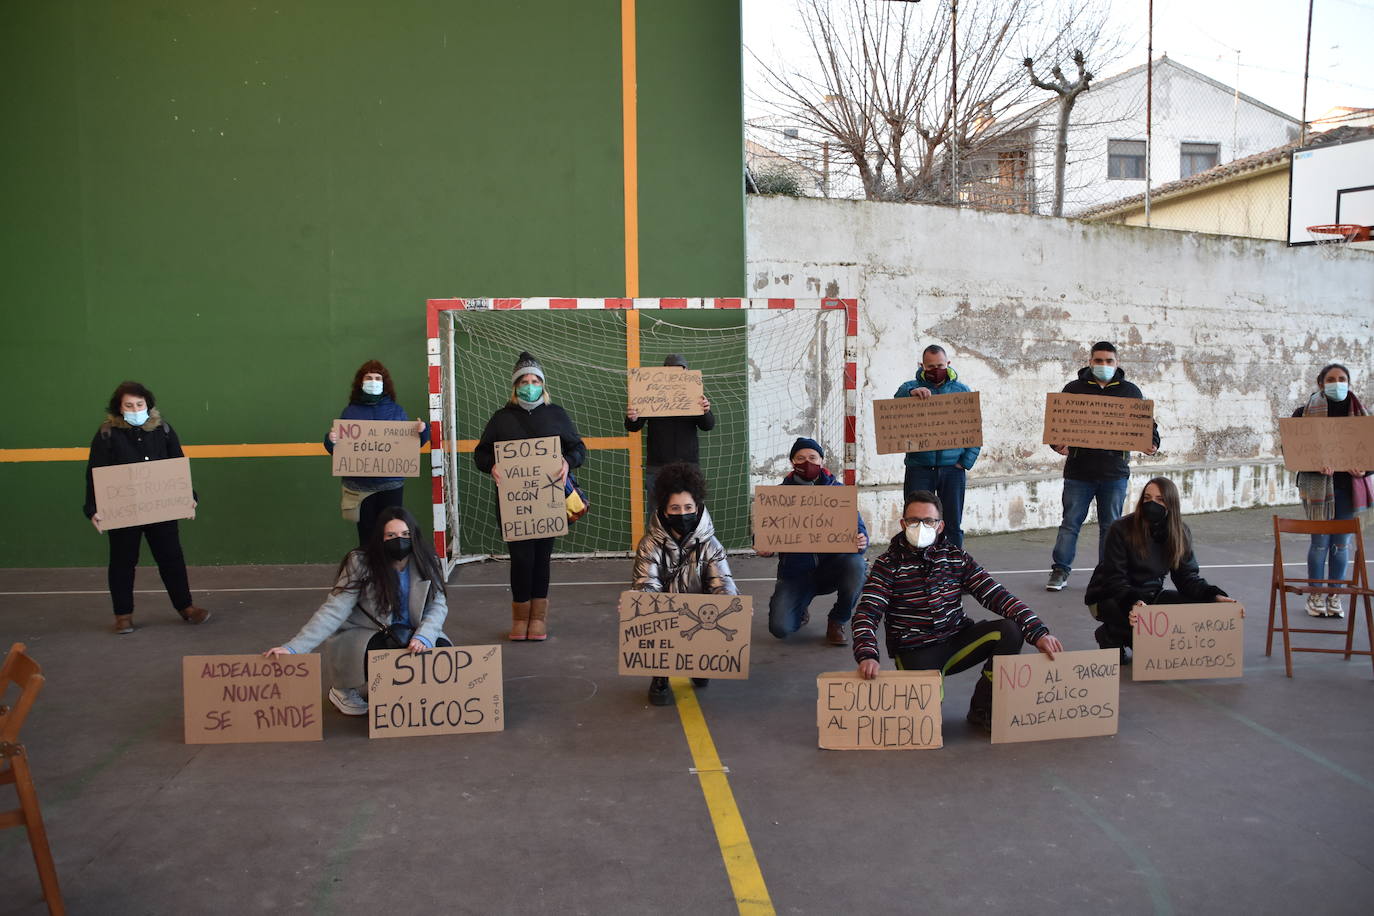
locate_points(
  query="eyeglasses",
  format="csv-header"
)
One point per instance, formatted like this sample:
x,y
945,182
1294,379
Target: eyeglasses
x,y
928,522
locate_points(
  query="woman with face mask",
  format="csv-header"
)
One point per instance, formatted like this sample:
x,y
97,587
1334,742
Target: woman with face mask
x,y
680,553
373,397
529,415
134,431
388,594
1331,493
1142,548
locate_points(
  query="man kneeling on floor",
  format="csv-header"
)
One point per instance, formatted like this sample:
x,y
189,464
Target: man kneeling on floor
x,y
917,588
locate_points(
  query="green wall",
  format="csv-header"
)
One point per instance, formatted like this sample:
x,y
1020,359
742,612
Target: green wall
x,y
238,204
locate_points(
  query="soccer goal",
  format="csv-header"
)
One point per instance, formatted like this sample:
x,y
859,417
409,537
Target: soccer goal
x,y
773,369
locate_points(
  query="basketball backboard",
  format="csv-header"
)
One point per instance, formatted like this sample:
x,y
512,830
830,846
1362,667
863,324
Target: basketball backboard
x,y
1331,183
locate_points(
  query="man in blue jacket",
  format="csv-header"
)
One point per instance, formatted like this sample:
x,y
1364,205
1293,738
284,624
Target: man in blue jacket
x,y
803,576
941,472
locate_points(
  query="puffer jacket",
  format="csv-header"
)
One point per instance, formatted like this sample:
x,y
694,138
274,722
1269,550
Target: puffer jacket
x,y
695,565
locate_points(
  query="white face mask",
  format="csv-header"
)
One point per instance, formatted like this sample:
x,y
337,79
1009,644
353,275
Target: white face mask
x,y
135,417
920,537
372,386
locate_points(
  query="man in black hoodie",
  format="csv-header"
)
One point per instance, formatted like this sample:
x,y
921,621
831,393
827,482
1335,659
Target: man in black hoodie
x,y
670,438
1093,473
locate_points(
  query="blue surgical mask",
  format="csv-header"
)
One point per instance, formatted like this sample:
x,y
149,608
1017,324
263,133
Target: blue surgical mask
x,y
137,418
530,393
1336,391
372,386
1104,373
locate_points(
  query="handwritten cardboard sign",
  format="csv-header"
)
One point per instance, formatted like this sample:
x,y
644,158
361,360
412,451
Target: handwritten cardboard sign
x,y
237,699
1074,696
1177,642
376,448
1313,443
143,493
445,691
896,711
790,519
667,391
928,424
663,634
1099,421
533,503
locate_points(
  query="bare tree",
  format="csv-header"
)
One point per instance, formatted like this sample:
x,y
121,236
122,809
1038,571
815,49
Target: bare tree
x,y
1068,93
878,86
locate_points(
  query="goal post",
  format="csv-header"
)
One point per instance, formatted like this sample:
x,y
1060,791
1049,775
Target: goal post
x,y
774,369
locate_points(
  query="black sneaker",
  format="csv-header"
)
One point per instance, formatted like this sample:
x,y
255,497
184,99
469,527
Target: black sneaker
x,y
1058,579
701,683
660,694
981,718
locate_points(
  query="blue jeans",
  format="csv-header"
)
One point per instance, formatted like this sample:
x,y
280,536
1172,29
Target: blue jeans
x,y
1078,496
948,484
841,573
1336,546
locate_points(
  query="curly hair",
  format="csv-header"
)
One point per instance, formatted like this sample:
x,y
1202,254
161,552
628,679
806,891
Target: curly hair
x,y
115,407
372,365
679,477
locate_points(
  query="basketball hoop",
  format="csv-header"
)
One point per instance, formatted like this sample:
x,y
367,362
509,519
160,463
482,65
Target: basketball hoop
x,y
1331,239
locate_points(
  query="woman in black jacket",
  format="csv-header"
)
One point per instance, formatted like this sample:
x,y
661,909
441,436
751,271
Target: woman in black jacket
x,y
529,415
134,431
1141,549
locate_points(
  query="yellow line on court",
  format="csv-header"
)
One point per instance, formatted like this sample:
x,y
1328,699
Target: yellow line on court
x,y
746,880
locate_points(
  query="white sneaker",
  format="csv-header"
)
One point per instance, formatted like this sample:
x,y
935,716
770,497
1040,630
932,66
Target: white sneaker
x,y
1333,606
348,701
1316,605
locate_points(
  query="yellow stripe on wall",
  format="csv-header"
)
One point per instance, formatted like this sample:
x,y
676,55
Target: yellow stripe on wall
x,y
629,117
271,450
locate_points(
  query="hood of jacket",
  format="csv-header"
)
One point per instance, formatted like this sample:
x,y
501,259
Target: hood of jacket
x,y
154,421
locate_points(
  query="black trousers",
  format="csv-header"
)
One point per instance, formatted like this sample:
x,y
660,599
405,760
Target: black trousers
x,y
371,507
529,568
1117,619
165,543
382,641
978,643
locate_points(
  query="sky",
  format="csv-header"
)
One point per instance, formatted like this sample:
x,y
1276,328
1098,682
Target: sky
x,y
1205,35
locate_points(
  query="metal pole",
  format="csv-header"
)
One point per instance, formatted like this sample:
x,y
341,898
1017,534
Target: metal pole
x,y
1306,66
1149,100
954,99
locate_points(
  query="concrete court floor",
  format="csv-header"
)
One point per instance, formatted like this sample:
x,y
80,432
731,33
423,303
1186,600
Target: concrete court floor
x,y
1250,796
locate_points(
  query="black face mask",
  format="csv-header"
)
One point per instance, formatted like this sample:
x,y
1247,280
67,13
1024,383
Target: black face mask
x,y
683,524
396,548
1154,513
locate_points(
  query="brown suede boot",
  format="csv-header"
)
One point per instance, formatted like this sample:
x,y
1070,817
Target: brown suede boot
x,y
193,614
124,623
539,615
519,620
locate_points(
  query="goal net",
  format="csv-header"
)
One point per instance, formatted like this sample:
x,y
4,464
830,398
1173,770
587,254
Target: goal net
x,y
772,369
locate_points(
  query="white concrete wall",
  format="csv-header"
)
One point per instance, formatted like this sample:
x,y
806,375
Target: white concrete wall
x,y
1224,334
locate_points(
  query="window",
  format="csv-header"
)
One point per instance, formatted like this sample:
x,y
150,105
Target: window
x,y
1126,159
1197,157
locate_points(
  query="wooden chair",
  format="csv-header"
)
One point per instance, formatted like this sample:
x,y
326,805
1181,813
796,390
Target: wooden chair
x,y
22,671
1356,586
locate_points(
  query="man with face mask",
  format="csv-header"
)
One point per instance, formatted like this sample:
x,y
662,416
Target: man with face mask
x,y
941,472
1093,474
915,591
803,576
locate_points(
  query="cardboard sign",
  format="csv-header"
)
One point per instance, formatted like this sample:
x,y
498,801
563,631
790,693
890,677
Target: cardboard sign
x,y
533,503
1177,642
143,493
376,448
1313,443
445,691
1074,696
928,424
1099,421
896,711
791,519
666,391
238,699
663,634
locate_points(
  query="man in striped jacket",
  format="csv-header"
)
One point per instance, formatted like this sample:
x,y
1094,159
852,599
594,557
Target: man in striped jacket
x,y
917,586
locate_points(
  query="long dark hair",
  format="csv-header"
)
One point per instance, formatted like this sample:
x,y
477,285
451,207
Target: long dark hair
x,y
1177,539
375,571
116,407
372,365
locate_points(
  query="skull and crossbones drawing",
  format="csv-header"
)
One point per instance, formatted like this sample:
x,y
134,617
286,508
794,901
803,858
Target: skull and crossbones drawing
x,y
708,617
